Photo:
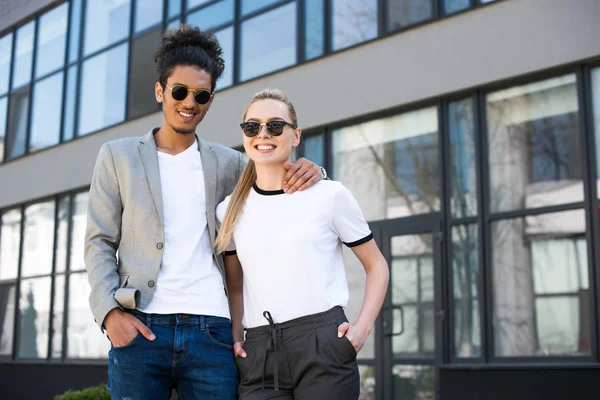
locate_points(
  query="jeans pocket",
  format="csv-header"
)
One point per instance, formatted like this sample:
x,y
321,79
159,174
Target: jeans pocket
x,y
220,334
128,344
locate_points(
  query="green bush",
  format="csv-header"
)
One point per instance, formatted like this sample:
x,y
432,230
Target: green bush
x,y
99,392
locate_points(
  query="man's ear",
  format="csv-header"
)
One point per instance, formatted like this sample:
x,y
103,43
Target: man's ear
x,y
297,136
158,92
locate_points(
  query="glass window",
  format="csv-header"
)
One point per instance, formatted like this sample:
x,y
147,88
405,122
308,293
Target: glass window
x,y
175,7
263,52
403,13
71,96
249,6
78,231
391,164
46,112
463,175
7,318
174,24
147,13
58,315
103,87
192,3
315,27
10,243
5,54
354,21
106,22
34,321
84,338
74,30
452,6
595,112
413,382
314,149
540,270
225,38
3,112
465,274
534,145
38,239
143,75
51,40
16,134
61,234
212,16
23,55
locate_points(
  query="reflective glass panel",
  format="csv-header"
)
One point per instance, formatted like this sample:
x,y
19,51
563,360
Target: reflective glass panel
x,y
269,42
10,243
143,75
34,312
175,7
595,116
51,40
403,13
147,14
249,6
193,3
16,135
103,86
212,16
354,21
74,30
5,54
84,339
465,278
367,382
225,38
78,231
534,145
3,113
7,318
540,271
58,316
69,114
38,239
413,382
463,175
391,164
46,112
23,55
314,149
315,27
106,22
452,6
61,234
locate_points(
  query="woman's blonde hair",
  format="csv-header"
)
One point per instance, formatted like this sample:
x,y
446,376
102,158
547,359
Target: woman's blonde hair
x,y
242,189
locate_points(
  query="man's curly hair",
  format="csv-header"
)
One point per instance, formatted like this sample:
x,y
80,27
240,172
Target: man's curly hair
x,y
188,45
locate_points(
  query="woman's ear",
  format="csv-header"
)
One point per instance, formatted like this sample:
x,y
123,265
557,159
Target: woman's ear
x,y
297,136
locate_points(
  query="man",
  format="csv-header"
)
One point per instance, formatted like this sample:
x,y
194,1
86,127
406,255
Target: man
x,y
152,199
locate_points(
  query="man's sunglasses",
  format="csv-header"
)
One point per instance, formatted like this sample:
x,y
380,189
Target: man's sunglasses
x,y
180,92
275,128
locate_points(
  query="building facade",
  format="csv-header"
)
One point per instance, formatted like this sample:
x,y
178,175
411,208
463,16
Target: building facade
x,y
468,131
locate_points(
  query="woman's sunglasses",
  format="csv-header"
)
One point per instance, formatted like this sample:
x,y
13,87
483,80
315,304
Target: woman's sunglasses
x,y
180,92
275,128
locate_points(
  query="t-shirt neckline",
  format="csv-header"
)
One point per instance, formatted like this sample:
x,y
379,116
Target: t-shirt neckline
x,y
267,192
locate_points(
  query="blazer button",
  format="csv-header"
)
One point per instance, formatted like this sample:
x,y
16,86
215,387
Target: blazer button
x,y
151,283
159,245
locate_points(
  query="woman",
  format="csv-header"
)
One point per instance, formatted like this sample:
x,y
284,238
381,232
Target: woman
x,y
285,272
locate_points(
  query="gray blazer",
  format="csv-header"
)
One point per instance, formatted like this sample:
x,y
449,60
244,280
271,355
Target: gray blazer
x,y
124,238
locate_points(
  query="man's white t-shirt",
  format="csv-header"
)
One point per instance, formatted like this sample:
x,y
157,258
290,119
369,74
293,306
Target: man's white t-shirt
x,y
189,280
290,248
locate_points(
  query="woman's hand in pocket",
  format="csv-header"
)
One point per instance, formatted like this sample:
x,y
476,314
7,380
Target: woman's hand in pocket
x,y
238,349
354,333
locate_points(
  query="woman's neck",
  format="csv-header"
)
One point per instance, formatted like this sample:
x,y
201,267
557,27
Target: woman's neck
x,y
270,176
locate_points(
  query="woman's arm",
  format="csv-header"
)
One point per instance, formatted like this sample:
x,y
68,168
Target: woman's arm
x,y
377,282
234,277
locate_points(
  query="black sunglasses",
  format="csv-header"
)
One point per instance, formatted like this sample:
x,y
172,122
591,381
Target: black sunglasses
x,y
180,92
275,128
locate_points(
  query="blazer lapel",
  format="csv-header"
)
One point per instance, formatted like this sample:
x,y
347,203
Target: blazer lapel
x,y
147,150
209,166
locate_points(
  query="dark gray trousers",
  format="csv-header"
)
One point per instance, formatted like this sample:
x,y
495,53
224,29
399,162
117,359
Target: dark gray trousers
x,y
299,359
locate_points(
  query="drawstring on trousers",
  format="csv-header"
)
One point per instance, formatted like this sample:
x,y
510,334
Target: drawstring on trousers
x,y
271,345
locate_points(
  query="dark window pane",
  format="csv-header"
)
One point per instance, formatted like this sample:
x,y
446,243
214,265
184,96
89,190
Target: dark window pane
x,y
213,16
143,75
225,38
23,55
75,30
46,112
38,239
534,147
402,13
175,7
78,231
103,87
58,315
3,114
463,176
62,230
354,21
147,13
34,313
413,382
262,50
84,339
106,22
10,243
69,114
249,6
541,285
315,27
5,54
314,149
51,40
452,6
595,116
7,318
16,134
193,3
465,273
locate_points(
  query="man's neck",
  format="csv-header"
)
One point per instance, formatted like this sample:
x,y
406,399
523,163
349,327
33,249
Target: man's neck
x,y
171,142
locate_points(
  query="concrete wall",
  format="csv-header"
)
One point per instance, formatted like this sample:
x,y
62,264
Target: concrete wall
x,y
499,41
12,12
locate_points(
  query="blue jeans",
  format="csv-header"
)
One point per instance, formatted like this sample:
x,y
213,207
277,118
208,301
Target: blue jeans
x,y
191,352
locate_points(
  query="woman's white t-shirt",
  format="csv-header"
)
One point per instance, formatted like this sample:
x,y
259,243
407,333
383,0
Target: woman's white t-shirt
x,y
290,248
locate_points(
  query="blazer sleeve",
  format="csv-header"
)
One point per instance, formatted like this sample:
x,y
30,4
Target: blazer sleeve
x,y
241,165
102,236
